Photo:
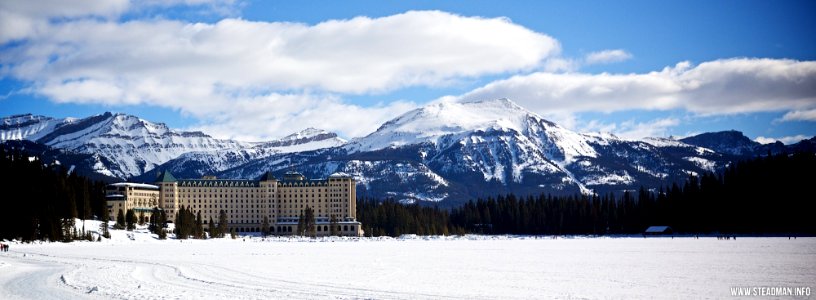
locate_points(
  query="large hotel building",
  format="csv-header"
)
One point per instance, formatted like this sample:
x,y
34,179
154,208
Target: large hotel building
x,y
247,202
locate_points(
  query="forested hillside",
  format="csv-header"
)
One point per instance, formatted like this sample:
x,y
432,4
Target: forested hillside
x,y
41,201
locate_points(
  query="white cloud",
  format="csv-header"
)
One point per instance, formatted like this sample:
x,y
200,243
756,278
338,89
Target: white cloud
x,y
800,115
787,140
21,19
360,55
607,56
274,75
632,130
560,64
718,87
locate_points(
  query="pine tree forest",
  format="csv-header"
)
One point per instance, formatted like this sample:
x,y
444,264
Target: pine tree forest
x,y
40,200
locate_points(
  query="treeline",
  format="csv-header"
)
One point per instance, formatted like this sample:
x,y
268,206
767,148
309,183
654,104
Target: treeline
x,y
40,202
769,195
191,225
390,218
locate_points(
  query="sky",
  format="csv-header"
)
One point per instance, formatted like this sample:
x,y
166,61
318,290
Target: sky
x,y
259,70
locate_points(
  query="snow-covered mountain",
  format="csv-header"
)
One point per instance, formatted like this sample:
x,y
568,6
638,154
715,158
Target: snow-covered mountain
x,y
28,127
199,163
731,142
453,150
445,151
126,146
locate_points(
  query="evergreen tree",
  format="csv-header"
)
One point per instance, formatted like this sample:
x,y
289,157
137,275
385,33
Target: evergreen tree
x,y
141,218
222,223
309,222
185,223
301,225
130,220
103,227
162,221
68,230
154,226
84,196
265,226
199,227
333,226
120,220
212,228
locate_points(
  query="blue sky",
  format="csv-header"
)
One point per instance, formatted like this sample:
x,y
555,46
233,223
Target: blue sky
x,y
634,68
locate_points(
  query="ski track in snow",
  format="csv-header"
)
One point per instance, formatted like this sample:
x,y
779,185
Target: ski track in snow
x,y
462,268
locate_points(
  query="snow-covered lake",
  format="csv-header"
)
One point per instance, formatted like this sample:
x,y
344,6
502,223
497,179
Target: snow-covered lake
x,y
474,268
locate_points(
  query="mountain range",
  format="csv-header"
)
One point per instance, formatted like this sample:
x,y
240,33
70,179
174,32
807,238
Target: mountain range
x,y
445,152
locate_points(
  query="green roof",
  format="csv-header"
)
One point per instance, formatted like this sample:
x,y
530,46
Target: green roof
x,y
165,176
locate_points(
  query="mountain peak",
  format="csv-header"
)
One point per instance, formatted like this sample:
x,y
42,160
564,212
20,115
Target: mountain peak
x,y
730,141
500,102
450,121
307,133
446,117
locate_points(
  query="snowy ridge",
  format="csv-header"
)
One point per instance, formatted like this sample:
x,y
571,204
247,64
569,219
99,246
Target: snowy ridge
x,y
729,142
452,150
133,145
456,120
124,146
198,163
444,151
496,138
28,127
458,151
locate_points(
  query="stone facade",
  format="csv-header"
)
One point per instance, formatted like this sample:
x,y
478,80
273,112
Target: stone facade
x,y
141,198
247,202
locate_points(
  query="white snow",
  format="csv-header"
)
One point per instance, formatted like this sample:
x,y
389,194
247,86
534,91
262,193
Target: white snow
x,y
410,267
28,127
669,142
499,139
134,145
136,185
339,174
702,162
665,142
306,133
461,119
616,177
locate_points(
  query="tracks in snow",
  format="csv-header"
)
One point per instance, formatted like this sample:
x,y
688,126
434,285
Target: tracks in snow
x,y
41,275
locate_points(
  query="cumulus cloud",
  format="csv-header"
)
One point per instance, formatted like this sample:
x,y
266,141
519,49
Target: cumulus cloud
x,y
799,115
359,55
204,69
717,87
607,56
22,19
787,140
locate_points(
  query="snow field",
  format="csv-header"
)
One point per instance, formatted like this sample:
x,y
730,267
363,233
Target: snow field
x,y
472,267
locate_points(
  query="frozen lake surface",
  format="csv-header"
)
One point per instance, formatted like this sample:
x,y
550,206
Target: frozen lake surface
x,y
472,268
